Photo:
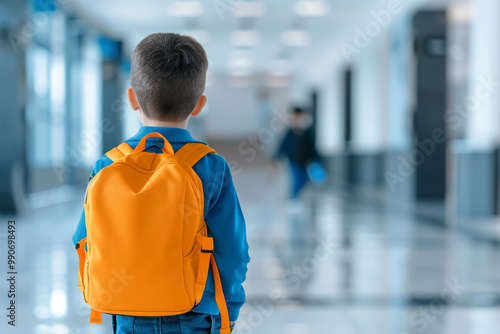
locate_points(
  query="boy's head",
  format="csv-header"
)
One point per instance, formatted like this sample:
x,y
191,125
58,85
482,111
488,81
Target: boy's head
x,y
300,118
168,74
297,111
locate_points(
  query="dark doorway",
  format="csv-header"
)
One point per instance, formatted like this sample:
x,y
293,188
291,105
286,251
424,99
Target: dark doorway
x,y
428,154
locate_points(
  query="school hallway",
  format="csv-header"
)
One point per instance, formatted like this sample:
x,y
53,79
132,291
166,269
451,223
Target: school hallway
x,y
339,262
389,110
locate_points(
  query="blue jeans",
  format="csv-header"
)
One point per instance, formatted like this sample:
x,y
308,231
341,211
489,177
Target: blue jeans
x,y
299,179
188,323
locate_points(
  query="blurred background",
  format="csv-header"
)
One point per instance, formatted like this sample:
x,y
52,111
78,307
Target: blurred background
x,y
393,226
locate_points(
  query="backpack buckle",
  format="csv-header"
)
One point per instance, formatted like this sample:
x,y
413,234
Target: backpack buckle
x,y
207,245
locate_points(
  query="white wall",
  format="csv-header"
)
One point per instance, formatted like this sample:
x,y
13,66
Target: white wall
x,y
330,117
400,97
233,111
484,66
325,74
370,82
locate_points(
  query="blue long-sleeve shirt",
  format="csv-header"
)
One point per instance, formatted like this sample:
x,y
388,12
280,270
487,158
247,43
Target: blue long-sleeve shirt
x,y
223,216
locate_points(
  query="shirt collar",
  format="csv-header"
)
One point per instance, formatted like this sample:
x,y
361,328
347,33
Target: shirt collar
x,y
173,135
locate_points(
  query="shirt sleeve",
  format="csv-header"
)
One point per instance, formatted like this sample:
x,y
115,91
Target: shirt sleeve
x,y
226,224
81,230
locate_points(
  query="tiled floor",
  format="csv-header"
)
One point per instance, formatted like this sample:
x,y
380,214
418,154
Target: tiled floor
x,y
334,263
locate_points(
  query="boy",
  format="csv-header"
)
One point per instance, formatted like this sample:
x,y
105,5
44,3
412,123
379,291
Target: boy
x,y
298,147
168,79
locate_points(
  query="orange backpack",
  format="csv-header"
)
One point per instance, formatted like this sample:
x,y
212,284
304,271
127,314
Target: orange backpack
x,y
147,252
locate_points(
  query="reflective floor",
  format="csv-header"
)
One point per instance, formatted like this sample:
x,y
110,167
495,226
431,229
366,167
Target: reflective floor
x,y
335,262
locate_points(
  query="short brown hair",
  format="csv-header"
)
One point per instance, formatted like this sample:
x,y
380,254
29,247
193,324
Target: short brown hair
x,y
168,73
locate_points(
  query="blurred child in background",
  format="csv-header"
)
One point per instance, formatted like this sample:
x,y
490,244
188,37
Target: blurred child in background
x,y
298,147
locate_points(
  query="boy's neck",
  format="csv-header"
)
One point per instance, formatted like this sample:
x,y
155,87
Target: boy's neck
x,y
181,125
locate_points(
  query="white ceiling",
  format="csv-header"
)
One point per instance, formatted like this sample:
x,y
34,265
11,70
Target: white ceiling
x,y
132,20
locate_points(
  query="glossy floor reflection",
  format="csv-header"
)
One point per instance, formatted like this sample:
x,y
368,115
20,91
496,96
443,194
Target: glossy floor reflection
x,y
333,263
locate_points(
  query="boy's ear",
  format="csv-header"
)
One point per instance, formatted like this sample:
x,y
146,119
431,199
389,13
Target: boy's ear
x,y
199,106
132,99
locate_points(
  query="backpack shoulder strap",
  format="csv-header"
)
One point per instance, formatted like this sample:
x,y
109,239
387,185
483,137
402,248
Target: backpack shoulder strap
x,y
193,152
120,151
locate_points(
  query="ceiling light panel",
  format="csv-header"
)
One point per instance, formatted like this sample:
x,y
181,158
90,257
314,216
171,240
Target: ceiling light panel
x,y
249,9
311,8
241,59
245,38
296,38
185,8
